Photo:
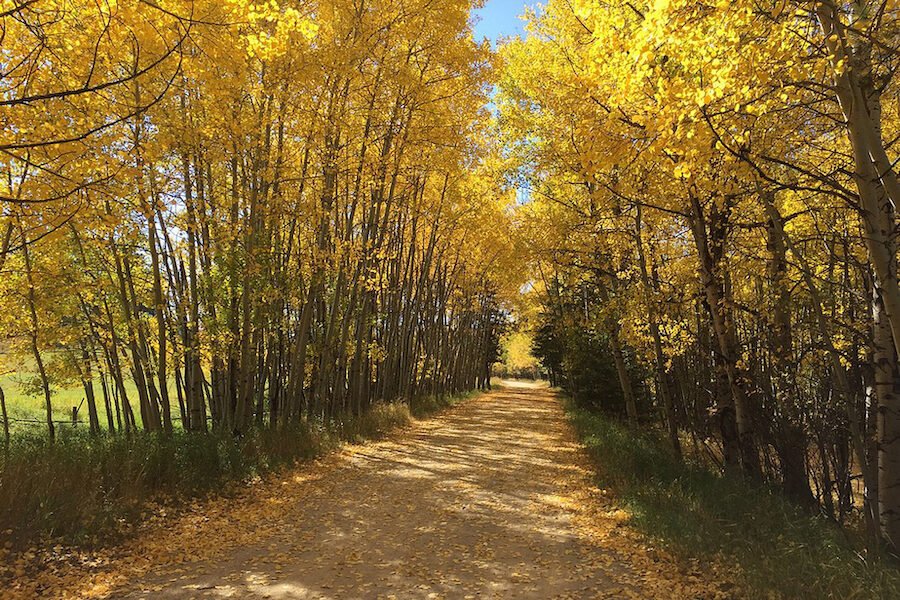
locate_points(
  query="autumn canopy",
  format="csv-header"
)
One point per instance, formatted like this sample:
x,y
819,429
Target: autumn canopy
x,y
220,217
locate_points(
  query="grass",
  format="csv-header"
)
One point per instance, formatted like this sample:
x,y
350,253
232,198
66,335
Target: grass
x,y
424,406
695,512
26,410
26,406
87,490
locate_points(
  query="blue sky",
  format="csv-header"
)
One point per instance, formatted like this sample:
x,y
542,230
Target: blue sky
x,y
499,18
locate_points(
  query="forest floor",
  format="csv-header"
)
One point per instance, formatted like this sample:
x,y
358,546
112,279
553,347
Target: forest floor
x,y
492,499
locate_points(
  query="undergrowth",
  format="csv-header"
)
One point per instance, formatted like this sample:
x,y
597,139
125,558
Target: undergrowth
x,y
779,550
86,489
426,405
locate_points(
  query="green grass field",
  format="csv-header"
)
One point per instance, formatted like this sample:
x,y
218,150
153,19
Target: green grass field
x,y
26,408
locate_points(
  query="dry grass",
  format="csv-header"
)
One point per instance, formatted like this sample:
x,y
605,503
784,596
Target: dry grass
x,y
85,489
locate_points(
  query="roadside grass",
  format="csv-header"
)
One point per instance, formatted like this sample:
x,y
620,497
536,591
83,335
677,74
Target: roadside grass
x,y
424,406
88,490
780,551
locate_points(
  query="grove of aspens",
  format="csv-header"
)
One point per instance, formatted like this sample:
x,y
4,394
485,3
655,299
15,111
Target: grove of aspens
x,y
369,283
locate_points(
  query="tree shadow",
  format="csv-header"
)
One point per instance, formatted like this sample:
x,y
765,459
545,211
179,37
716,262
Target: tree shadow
x,y
470,505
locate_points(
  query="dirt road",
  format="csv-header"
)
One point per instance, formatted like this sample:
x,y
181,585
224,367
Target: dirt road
x,y
492,499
